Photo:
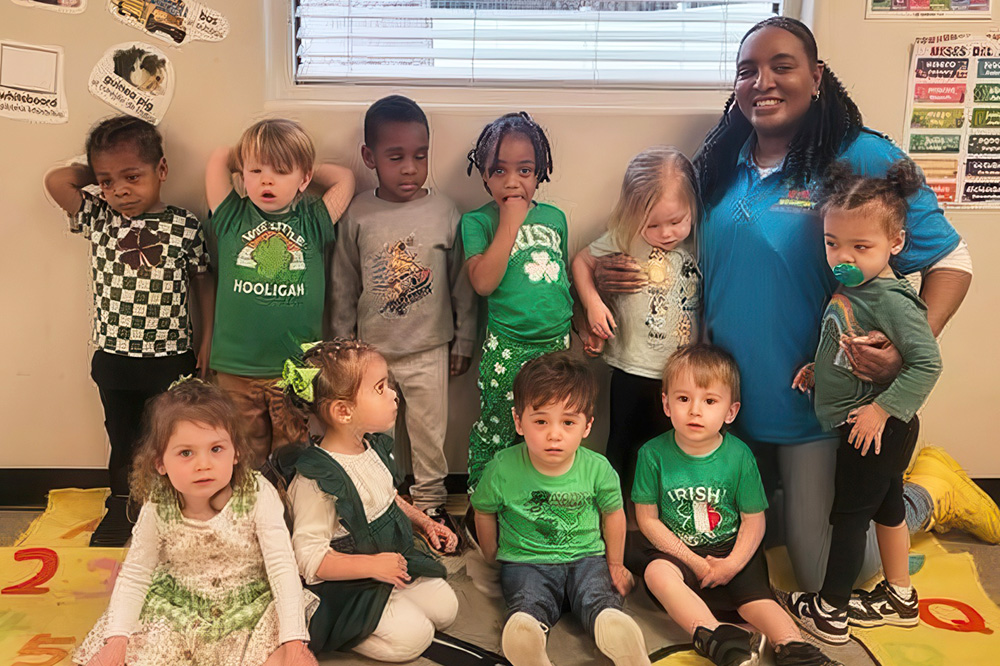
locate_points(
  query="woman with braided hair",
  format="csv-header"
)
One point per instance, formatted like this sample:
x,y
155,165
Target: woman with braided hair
x,y
766,281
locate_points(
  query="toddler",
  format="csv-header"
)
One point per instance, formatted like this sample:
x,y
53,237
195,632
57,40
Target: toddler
x,y
516,251
654,216
272,246
863,227
353,534
401,286
210,576
144,255
551,513
699,502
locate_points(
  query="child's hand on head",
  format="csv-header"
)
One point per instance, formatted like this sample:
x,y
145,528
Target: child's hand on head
x,y
621,578
600,321
390,568
805,378
869,422
112,654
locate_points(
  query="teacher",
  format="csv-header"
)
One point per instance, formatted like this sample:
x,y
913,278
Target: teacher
x,y
767,281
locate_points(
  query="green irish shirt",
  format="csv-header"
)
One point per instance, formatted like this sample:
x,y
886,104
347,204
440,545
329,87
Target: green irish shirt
x,y
271,282
532,301
548,519
889,305
700,499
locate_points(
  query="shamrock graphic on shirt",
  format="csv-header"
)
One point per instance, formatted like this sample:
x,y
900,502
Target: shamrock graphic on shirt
x,y
140,248
541,267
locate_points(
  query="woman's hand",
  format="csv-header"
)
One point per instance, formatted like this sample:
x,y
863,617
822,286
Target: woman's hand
x,y
440,537
600,321
873,357
618,274
869,422
592,345
112,654
805,378
390,568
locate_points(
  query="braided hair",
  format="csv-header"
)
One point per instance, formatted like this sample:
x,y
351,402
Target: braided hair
x,y
342,363
484,156
120,130
845,189
831,121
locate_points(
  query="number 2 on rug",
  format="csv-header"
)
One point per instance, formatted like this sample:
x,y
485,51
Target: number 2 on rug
x,y
50,563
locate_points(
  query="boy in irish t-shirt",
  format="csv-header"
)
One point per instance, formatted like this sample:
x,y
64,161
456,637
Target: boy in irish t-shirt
x,y
699,502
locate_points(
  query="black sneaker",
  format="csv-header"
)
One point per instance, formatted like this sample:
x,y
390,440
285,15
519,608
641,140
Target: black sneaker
x,y
883,606
728,645
115,528
800,653
805,609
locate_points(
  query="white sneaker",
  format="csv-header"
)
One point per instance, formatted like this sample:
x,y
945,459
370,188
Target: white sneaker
x,y
523,641
620,638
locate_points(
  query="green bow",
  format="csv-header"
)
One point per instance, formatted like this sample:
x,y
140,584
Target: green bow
x,y
299,379
180,380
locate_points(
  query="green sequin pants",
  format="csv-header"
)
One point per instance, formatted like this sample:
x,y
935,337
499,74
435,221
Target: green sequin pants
x,y
494,431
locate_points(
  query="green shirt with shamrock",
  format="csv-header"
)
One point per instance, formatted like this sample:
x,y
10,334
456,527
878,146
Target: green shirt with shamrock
x,y
532,301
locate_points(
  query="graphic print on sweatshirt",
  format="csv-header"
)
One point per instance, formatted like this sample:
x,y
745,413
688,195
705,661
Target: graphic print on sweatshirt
x,y
557,515
703,514
838,322
673,300
398,279
273,259
541,243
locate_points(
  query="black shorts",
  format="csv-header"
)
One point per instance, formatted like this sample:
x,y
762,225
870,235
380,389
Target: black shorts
x,y
752,583
870,487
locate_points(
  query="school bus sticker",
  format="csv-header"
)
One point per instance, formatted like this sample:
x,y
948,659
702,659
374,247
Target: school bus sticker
x,y
174,21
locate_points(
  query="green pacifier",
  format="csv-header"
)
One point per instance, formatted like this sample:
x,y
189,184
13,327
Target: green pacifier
x,y
848,275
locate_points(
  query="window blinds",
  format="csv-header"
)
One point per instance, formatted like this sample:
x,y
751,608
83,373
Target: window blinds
x,y
624,43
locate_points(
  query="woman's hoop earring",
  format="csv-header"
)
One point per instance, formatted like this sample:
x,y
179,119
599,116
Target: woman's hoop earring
x,y
815,96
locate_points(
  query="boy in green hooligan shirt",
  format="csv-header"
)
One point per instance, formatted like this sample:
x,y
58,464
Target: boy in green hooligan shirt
x,y
699,502
270,249
551,513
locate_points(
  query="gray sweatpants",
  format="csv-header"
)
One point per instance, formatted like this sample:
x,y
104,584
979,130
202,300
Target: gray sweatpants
x,y
422,383
806,472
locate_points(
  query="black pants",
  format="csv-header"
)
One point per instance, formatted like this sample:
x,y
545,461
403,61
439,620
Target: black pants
x,y
636,417
866,488
125,384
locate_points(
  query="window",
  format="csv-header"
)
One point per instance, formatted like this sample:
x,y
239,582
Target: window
x,y
497,43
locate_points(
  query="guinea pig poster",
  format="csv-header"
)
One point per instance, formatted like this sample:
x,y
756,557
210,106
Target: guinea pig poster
x,y
135,78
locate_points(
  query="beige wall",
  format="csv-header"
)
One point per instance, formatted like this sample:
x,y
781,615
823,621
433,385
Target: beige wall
x,y
51,412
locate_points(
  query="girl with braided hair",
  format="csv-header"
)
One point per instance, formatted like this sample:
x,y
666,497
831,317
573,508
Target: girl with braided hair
x,y
516,252
352,532
766,281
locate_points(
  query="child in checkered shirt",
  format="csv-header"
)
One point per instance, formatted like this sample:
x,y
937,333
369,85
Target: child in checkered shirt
x,y
270,251
144,255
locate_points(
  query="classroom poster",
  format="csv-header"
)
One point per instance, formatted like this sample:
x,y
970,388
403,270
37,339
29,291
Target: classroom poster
x,y
31,83
62,6
953,117
965,10
135,78
174,21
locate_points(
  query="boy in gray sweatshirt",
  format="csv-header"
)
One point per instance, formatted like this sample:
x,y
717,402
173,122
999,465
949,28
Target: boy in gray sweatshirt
x,y
400,284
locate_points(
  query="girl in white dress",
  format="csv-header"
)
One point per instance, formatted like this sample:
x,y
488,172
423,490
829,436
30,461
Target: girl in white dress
x,y
210,578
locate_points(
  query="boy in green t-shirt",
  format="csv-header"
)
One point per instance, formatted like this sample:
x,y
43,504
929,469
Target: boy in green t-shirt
x,y
699,502
551,513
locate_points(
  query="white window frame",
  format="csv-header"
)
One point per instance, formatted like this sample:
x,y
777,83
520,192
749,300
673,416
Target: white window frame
x,y
282,93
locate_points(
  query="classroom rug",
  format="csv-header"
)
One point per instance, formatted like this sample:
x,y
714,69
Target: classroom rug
x,y
69,519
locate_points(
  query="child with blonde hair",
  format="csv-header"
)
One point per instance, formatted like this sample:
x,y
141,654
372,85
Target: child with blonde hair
x,y
353,533
210,577
656,212
272,247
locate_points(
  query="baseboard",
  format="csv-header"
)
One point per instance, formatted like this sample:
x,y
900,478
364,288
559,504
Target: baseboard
x,y
28,487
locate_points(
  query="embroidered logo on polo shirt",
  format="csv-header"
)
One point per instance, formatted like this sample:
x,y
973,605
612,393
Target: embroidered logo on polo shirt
x,y
795,200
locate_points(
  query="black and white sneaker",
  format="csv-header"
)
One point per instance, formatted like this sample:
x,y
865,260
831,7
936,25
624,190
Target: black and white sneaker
x,y
883,606
800,653
729,645
804,607
439,515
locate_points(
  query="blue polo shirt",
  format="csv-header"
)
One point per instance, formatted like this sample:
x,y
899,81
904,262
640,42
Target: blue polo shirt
x,y
766,281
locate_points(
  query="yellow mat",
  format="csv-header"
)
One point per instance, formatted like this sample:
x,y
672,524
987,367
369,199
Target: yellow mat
x,y
52,586
69,519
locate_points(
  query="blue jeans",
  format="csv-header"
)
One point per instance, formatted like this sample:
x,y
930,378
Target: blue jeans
x,y
540,590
